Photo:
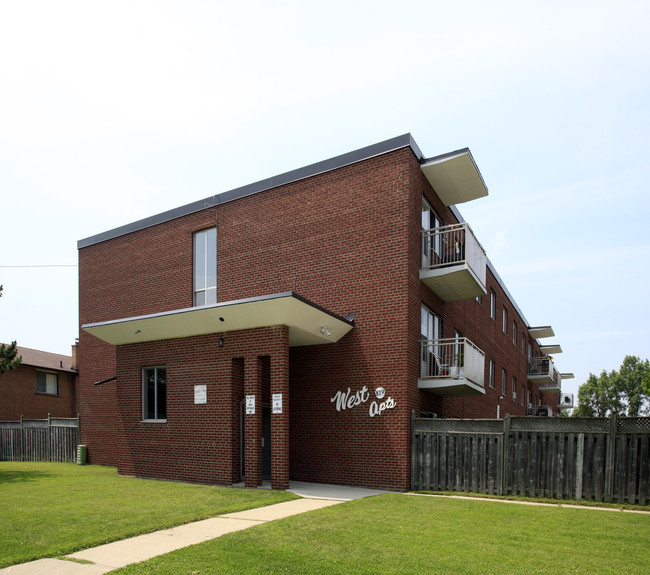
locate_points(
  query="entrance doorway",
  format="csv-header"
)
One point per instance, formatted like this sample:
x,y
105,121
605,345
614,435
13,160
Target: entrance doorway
x,y
266,441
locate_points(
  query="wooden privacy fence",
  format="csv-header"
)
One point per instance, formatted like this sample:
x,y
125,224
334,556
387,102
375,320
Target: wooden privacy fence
x,y
51,439
597,459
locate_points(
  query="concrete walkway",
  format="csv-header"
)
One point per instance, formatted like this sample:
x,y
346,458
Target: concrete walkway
x,y
118,554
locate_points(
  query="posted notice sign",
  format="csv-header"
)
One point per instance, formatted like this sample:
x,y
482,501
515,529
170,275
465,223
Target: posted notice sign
x,y
250,405
200,394
277,403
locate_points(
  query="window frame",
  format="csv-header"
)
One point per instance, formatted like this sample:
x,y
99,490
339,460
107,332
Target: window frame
x,y
514,332
47,375
491,369
493,304
504,316
504,382
514,389
145,397
204,272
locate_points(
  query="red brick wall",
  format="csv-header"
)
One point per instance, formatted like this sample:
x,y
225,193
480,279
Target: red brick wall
x,y
348,240
472,320
18,396
199,443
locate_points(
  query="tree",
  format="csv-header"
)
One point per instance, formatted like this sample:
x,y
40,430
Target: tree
x,y
626,391
633,384
9,358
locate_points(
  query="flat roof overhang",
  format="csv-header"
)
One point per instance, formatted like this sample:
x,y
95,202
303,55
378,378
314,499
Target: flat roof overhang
x,y
308,323
455,177
541,331
550,348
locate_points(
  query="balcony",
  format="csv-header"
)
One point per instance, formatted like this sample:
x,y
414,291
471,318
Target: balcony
x,y
452,367
453,262
542,372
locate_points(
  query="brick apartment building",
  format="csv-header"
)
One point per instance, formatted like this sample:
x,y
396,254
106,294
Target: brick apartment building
x,y
43,384
288,329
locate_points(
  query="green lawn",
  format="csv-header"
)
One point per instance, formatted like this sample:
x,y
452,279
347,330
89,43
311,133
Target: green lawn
x,y
424,535
50,509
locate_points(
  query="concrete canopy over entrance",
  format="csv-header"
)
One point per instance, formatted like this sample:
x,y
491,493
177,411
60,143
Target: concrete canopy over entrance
x,y
308,323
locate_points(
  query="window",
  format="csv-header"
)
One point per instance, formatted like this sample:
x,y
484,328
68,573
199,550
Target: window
x,y
523,394
491,374
430,242
205,267
523,344
479,299
493,305
505,320
514,389
514,333
504,382
47,382
430,331
154,393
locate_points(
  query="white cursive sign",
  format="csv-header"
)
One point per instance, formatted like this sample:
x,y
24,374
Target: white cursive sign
x,y
348,400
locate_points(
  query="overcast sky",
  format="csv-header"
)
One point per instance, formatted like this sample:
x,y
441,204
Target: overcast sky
x,y
111,112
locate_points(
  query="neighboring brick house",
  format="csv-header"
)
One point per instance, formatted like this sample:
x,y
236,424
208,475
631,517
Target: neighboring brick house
x,y
43,384
289,328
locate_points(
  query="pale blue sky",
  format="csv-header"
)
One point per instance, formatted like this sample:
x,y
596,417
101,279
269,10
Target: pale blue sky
x,y
116,111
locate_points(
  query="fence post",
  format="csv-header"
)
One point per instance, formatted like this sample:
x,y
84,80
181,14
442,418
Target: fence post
x,y
579,463
609,463
413,453
48,438
22,440
506,448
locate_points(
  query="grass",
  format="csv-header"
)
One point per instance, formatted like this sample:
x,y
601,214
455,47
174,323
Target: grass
x,y
51,509
424,535
547,501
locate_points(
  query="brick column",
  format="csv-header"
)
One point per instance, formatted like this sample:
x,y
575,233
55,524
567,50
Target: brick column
x,y
280,421
253,424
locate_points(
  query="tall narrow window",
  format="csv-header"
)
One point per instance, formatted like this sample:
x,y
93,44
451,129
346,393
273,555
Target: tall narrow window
x,y
504,382
514,333
505,320
493,305
514,389
430,332
430,237
523,394
154,393
523,344
205,267
491,374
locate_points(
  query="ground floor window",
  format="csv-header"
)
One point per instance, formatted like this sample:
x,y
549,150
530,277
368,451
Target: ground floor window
x,y
47,382
154,393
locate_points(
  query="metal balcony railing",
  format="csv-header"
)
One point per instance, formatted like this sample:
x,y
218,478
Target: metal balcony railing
x,y
452,358
542,370
453,262
449,245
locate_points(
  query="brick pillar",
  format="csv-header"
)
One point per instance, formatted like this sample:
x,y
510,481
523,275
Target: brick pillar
x,y
253,424
280,421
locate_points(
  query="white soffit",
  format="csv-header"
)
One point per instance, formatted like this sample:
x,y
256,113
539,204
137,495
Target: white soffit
x,y
548,349
567,375
308,324
542,331
455,177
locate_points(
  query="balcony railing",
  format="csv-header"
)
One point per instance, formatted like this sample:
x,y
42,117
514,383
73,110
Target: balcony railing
x,y
453,262
541,370
452,366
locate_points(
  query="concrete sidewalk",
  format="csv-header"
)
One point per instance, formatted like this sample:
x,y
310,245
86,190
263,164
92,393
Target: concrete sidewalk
x,y
118,554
